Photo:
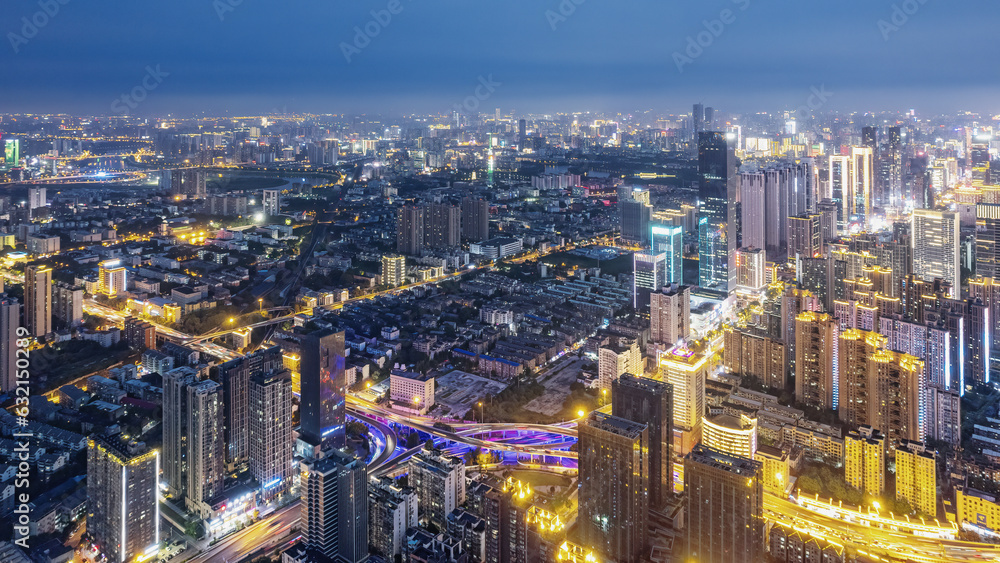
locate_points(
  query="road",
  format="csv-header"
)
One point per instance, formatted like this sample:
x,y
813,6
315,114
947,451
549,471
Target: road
x,y
263,534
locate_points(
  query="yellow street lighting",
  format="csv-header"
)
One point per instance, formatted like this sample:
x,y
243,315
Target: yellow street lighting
x,y
581,413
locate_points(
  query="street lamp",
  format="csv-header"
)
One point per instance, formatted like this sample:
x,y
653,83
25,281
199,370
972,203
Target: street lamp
x,y
260,305
604,392
581,413
482,414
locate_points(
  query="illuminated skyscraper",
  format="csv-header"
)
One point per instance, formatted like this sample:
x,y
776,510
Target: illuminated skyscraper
x,y
648,270
635,213
936,239
112,278
442,225
916,477
615,359
614,486
393,270
805,237
669,240
988,241
648,401
38,300
235,376
725,520
323,383
751,272
864,460
334,504
670,315
36,198
719,193
123,514
815,351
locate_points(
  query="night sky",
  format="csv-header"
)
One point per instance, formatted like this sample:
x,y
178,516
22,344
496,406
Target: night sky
x,y
278,56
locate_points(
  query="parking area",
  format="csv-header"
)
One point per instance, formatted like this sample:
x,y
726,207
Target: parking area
x,y
459,391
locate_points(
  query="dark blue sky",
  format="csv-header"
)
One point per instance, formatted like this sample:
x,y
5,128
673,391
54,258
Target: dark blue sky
x,y
271,55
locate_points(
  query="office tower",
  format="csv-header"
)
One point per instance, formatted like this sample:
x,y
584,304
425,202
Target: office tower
x,y
334,518
864,460
391,511
753,209
805,236
38,300
617,358
270,433
650,402
752,352
648,270
698,119
112,278
36,198
635,214
193,448
670,315
725,520
736,436
751,270
916,477
522,134
123,514
988,241
138,334
440,484
936,247
685,370
614,486
409,230
851,180
67,304
10,320
475,219
235,376
442,225
323,383
669,241
393,270
718,190
270,202
815,355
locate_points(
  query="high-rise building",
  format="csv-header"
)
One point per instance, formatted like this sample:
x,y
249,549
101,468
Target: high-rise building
x,y
635,214
805,236
988,241
442,225
614,486
334,504
751,351
736,436
138,334
686,370
698,119
916,477
617,358
392,510
187,183
112,278
36,198
193,449
669,240
864,460
38,300
271,203
440,484
855,396
324,385
648,270
725,520
753,209
897,386
751,271
270,432
851,180
409,230
815,357
499,504
718,191
936,239
650,402
475,219
670,315
123,513
67,304
393,270
10,320
235,376
522,134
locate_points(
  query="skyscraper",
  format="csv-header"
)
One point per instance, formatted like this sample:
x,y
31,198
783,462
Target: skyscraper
x,y
409,229
38,300
235,376
916,477
10,320
670,315
753,209
334,518
634,214
719,193
988,241
112,278
36,198
864,460
650,402
669,240
698,119
324,385
442,225
475,219
270,433
725,505
936,239
440,484
815,351
648,270
67,304
805,236
123,514
614,486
